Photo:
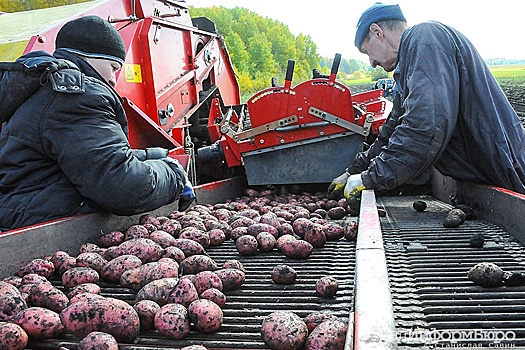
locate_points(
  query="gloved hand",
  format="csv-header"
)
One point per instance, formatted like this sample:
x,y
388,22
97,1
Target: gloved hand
x,y
186,197
335,190
354,186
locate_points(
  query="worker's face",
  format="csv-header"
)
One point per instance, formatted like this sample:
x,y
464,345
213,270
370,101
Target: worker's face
x,y
106,68
379,50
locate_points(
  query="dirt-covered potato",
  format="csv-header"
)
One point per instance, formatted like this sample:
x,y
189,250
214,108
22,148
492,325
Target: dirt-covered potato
x,y
136,231
284,330
157,290
217,236
314,319
84,288
98,313
247,245
477,240
205,315
146,309
351,230
266,241
111,239
39,266
46,295
326,287
189,247
454,218
173,321
197,235
196,263
113,269
99,341
232,279
336,213
162,238
419,205
486,274
93,260
11,302
183,293
330,334
234,264
140,276
206,280
144,248
333,231
283,274
214,295
78,275
40,323
12,336
297,249
315,235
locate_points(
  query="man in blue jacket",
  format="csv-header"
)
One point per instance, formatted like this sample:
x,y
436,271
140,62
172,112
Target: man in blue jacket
x,y
64,148
449,111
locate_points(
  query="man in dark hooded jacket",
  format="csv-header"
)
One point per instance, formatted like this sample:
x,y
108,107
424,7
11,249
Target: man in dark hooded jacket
x,y
65,150
449,111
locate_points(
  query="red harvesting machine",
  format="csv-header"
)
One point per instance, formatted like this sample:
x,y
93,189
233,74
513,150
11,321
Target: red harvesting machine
x,y
180,92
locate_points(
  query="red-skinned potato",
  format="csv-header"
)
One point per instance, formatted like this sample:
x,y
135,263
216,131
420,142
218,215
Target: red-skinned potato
x,y
93,260
194,264
330,334
11,302
266,241
78,275
84,288
146,309
46,295
98,341
314,319
283,274
189,247
40,323
174,253
140,276
246,245
39,266
114,269
206,280
108,315
297,249
12,336
214,295
232,279
183,293
144,248
284,330
157,290
111,239
326,287
172,320
234,264
205,315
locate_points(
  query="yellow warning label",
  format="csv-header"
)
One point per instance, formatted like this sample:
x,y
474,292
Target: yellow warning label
x,y
133,73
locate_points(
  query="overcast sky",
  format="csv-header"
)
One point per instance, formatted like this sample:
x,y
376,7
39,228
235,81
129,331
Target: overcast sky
x,y
496,28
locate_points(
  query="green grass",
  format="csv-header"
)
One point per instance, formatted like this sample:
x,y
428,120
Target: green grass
x,y
508,71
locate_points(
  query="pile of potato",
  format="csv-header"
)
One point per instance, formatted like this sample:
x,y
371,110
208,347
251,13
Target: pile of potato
x,y
163,259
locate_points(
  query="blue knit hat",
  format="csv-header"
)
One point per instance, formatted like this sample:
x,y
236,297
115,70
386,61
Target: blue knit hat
x,y
376,13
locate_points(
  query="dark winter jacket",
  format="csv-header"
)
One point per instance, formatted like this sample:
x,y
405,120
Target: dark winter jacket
x,y
449,112
65,151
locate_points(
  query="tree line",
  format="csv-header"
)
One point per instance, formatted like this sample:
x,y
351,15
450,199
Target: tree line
x,y
260,48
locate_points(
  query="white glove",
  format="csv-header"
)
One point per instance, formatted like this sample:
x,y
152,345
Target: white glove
x,y
337,185
354,186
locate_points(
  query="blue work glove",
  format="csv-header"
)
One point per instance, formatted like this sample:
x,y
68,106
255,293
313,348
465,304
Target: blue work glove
x,y
186,197
335,190
354,186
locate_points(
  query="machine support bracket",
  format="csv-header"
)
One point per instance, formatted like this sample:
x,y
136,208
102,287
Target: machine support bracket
x,y
332,119
275,125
